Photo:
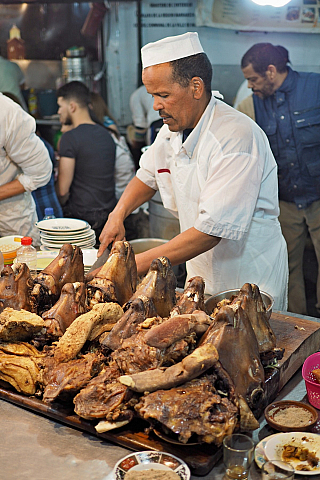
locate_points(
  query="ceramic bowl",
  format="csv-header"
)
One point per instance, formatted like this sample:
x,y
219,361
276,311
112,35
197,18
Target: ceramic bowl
x,y
147,460
287,416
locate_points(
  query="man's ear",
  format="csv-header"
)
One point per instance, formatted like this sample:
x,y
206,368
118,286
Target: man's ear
x,y
271,72
72,106
197,87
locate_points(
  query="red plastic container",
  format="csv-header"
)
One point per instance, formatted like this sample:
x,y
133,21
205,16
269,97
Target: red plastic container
x,y
313,387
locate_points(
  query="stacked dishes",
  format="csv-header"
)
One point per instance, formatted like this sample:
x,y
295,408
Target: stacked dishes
x,y
57,231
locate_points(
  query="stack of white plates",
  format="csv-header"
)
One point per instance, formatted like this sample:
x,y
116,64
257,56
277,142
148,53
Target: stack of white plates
x,y
57,231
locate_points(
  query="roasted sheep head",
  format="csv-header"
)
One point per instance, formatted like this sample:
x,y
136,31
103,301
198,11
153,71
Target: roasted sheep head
x,y
116,281
67,267
195,410
67,379
234,338
71,304
192,298
135,312
16,285
251,301
105,398
160,285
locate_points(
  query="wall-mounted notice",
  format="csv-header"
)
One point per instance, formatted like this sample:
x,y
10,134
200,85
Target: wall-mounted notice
x,y
297,16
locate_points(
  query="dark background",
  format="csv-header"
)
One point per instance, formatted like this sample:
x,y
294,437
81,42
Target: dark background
x,y
48,29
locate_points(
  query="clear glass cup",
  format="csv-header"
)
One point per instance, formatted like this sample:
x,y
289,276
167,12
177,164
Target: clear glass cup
x,y
238,450
277,470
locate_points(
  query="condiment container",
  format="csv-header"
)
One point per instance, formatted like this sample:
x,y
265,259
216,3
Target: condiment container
x,y
291,416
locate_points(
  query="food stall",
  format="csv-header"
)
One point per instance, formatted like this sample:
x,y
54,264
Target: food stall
x,y
44,432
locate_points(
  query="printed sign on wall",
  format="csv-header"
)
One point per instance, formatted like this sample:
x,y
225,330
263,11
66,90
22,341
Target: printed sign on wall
x,y
296,16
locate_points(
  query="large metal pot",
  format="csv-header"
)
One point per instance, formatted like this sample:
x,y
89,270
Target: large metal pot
x,y
143,244
213,301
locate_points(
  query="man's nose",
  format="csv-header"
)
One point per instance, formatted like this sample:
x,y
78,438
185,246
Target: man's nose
x,y
250,84
157,104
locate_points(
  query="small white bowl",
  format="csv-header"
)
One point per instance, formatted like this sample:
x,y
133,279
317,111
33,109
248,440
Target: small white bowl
x,y
151,459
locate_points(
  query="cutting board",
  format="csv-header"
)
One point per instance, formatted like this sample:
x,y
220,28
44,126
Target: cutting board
x,y
299,337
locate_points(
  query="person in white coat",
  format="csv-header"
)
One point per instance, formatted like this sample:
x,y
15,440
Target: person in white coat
x,y
215,171
25,165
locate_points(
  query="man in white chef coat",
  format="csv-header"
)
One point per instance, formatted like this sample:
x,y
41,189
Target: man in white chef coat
x,y
214,170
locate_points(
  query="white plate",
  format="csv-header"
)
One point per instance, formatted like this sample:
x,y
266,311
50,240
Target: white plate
x,y
62,240
80,243
62,225
275,443
65,238
148,459
63,234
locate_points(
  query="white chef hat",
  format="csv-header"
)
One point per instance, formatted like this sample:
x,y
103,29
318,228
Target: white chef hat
x,y
171,48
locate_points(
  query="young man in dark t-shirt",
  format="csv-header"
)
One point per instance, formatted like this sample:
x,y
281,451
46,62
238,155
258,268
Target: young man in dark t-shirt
x,y
86,185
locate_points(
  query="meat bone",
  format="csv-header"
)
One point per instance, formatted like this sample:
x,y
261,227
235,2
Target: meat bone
x,y
193,365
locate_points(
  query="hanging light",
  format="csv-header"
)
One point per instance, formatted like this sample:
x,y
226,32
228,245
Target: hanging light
x,y
272,3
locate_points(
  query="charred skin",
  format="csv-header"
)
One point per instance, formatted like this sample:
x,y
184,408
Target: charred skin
x,y
159,285
67,267
116,281
16,286
192,297
71,304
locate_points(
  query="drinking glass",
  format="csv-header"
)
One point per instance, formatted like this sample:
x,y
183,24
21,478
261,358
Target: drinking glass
x,y
238,452
277,470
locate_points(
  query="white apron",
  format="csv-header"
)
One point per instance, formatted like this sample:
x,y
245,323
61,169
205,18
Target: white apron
x,y
260,257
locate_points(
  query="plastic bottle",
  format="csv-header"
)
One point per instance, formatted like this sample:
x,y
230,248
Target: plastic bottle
x,y
48,213
1,262
28,254
33,103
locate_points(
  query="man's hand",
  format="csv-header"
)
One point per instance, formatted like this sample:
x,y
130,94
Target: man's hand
x,y
113,231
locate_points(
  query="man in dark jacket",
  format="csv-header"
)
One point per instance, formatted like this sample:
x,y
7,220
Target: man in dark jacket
x,y
287,108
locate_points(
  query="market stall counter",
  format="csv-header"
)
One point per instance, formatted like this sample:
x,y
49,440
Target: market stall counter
x,y
35,446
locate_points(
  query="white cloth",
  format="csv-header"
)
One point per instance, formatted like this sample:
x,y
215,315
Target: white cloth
x,y
23,156
243,92
223,181
11,79
170,48
124,168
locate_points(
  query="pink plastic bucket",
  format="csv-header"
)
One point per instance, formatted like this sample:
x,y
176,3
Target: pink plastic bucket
x,y
313,387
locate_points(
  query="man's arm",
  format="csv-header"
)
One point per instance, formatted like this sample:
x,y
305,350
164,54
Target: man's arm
x,y
181,248
134,195
11,189
65,177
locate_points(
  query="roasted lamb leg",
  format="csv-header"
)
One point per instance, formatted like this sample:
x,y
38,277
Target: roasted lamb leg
x,y
16,286
116,281
67,267
160,285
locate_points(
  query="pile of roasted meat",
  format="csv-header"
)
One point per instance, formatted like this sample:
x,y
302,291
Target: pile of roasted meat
x,y
118,349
